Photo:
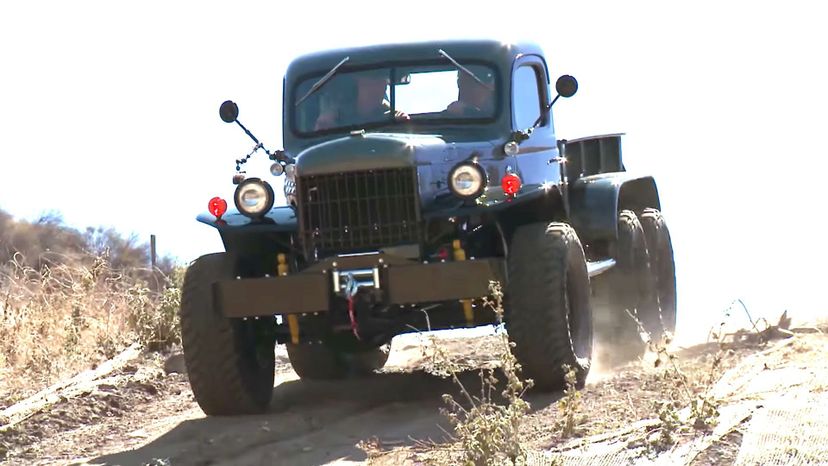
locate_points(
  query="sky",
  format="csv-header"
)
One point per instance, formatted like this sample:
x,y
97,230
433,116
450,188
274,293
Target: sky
x,y
111,115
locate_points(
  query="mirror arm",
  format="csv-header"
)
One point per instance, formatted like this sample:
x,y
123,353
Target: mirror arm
x,y
278,155
549,107
540,117
569,85
249,133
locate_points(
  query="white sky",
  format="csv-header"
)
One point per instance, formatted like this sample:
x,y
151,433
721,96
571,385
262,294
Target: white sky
x,y
110,114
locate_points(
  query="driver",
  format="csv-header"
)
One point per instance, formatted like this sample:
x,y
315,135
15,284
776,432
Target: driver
x,y
365,102
473,98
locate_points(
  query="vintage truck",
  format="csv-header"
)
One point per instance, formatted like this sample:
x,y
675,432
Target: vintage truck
x,y
415,175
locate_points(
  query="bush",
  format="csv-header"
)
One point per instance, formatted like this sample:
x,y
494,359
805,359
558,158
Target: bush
x,y
61,318
488,429
153,316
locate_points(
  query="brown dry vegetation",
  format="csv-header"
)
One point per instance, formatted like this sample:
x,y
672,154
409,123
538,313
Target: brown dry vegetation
x,y
69,300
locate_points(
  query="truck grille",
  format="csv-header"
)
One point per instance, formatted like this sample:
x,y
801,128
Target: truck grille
x,y
356,211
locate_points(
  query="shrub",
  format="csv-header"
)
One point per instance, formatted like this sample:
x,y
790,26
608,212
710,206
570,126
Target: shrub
x,y
488,429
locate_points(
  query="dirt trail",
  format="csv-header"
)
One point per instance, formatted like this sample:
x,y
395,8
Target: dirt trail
x,y
307,423
155,421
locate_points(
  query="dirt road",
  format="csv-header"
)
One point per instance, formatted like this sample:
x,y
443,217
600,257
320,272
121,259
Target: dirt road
x,y
151,417
156,419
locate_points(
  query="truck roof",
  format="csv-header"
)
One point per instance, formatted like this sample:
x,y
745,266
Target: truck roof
x,y
500,53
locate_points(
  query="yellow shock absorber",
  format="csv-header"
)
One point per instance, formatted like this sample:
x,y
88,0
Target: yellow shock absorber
x,y
293,321
460,255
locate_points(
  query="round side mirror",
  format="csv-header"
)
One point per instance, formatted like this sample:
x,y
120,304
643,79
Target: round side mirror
x,y
229,111
566,86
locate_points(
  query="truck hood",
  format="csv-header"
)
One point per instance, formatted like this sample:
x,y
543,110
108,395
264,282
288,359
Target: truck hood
x,y
361,152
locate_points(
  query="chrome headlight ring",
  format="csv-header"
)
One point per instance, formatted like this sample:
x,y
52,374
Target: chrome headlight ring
x,y
253,197
467,180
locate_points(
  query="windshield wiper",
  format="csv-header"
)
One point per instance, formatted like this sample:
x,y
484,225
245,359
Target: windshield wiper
x,y
322,81
464,69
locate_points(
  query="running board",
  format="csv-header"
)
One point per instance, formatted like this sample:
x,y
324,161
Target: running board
x,y
599,267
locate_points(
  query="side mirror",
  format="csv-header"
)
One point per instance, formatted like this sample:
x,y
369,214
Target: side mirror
x,y
566,86
229,111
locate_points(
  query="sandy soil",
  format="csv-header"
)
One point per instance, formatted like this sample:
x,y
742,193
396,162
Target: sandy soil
x,y
152,418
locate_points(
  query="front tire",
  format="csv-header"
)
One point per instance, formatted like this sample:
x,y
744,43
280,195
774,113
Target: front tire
x,y
548,313
230,362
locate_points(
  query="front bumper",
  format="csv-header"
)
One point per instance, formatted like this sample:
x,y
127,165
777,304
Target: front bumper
x,y
398,282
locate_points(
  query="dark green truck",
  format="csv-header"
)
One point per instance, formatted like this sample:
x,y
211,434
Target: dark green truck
x,y
414,176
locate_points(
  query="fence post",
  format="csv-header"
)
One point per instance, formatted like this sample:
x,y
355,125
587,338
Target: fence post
x,y
152,251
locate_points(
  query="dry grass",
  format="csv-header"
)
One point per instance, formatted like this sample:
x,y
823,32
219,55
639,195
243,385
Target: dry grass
x,y
570,407
67,316
487,424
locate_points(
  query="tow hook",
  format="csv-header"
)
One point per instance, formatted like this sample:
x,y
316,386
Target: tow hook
x,y
460,255
293,321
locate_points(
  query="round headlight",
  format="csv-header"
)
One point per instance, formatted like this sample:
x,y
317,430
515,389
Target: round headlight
x,y
467,180
253,197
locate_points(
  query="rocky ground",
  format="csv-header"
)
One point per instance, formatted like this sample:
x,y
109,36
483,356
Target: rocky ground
x,y
144,412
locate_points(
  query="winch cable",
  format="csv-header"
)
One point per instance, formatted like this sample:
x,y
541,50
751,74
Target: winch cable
x,y
354,325
351,290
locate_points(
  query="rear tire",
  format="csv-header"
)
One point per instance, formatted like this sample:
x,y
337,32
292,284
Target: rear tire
x,y
663,266
230,362
629,286
321,362
548,313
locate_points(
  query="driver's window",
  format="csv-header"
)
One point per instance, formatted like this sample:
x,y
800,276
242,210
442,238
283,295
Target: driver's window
x,y
526,97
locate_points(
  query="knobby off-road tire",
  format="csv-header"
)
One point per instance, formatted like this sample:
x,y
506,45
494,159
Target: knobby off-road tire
x,y
548,313
662,265
629,288
230,362
321,362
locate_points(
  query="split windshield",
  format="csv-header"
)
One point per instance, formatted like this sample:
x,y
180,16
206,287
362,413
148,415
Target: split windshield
x,y
377,97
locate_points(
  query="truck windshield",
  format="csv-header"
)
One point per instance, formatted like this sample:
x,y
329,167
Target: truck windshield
x,y
385,96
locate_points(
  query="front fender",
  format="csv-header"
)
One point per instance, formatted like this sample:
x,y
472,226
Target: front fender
x,y
493,201
596,200
279,220
256,242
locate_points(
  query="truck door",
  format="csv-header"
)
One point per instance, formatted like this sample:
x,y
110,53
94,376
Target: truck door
x,y
537,159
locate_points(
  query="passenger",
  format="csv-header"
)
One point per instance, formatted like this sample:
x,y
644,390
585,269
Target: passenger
x,y
474,98
364,103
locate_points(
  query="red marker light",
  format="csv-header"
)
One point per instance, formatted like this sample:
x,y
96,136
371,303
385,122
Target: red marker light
x,y
510,184
217,206
443,254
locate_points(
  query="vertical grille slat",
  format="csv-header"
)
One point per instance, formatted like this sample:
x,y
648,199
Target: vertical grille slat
x,y
368,210
342,212
399,205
